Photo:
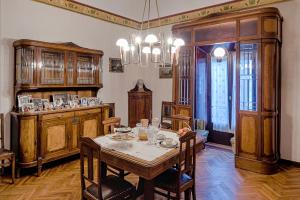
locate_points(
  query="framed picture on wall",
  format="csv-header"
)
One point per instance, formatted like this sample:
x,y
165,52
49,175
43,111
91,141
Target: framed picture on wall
x,y
165,71
115,65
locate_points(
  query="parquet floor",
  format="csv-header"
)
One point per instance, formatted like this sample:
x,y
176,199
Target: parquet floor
x,y
217,179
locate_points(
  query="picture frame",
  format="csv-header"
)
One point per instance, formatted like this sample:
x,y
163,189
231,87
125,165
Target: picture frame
x,y
92,101
36,101
115,65
63,97
27,107
23,99
58,102
83,101
46,104
165,71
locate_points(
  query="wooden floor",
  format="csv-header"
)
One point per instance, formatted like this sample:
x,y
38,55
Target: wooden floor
x,y
216,179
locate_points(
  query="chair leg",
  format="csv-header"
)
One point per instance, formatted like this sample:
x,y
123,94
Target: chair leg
x,y
177,196
169,195
194,192
187,194
2,167
122,174
13,168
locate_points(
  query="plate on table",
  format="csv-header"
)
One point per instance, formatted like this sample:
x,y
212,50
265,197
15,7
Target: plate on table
x,y
122,137
172,145
123,129
160,137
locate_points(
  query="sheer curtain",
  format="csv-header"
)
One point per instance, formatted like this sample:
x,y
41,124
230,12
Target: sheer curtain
x,y
219,95
201,104
233,99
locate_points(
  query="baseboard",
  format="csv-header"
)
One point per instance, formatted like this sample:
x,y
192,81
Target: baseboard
x,y
289,162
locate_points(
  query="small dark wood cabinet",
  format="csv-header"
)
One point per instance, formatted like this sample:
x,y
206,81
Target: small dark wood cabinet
x,y
139,106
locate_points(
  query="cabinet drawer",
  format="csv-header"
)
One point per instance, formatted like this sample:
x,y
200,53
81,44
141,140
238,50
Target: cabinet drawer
x,y
58,115
87,112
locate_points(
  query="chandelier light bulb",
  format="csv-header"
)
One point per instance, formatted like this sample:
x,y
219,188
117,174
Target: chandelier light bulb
x,y
173,50
156,51
126,48
170,41
178,42
132,48
219,52
122,42
146,50
151,38
138,40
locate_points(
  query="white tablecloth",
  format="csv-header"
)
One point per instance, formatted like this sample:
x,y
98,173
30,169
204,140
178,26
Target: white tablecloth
x,y
136,148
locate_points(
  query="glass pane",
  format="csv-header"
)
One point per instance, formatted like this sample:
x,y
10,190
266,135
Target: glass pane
x,y
52,69
248,77
70,67
85,70
184,65
24,65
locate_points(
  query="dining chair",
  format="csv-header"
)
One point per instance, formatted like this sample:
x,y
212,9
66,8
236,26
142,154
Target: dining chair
x,y
7,158
180,178
166,114
93,186
180,121
109,125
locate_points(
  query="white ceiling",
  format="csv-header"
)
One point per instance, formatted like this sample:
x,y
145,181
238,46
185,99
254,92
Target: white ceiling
x,y
134,8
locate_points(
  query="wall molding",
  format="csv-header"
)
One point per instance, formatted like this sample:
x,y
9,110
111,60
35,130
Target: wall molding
x,y
97,13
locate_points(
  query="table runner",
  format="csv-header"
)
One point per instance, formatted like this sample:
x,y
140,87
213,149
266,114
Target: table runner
x,y
136,148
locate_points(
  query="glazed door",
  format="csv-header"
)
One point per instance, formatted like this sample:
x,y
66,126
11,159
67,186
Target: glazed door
x,y
183,84
87,70
248,103
25,66
51,69
54,138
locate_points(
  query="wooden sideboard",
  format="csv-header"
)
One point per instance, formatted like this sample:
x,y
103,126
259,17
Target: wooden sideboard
x,y
139,106
41,137
42,70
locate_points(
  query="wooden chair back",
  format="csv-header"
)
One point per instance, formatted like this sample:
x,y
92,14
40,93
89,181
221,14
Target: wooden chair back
x,y
111,123
187,156
1,130
166,110
91,150
180,121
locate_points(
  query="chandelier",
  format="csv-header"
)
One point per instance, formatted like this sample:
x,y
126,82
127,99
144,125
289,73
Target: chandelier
x,y
141,48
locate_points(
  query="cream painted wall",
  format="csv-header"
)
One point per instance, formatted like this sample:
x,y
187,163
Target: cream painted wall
x,y
290,97
31,20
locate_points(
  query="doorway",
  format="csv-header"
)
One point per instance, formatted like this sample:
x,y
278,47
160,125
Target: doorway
x,y
215,90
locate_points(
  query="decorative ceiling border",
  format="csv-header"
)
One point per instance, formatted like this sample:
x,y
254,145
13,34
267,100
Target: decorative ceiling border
x,y
90,11
97,13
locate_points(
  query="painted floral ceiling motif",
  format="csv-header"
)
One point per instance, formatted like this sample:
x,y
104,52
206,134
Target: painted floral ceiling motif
x,y
228,6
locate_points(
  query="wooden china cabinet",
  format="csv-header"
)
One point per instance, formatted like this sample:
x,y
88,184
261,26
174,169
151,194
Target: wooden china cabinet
x,y
257,38
139,105
41,70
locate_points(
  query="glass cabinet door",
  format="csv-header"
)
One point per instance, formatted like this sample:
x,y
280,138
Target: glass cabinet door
x,y
248,77
24,65
85,70
70,68
52,67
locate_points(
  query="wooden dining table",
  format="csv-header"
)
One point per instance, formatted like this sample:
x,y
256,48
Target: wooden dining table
x,y
146,169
